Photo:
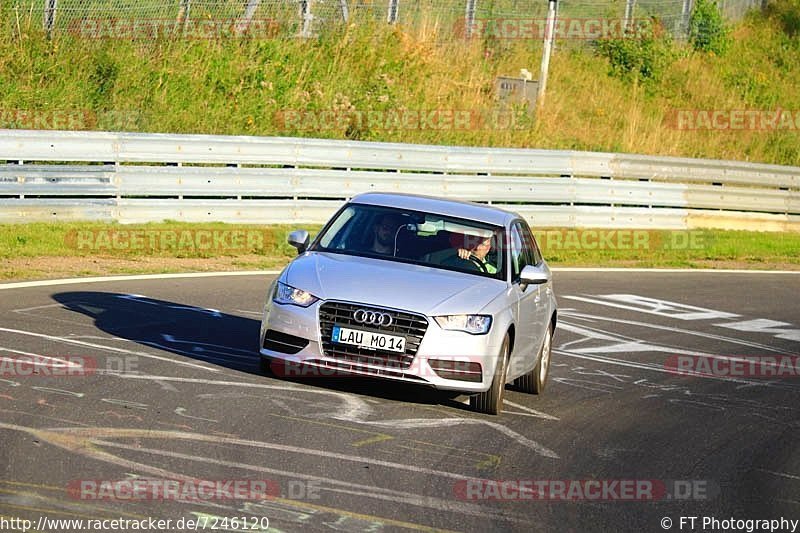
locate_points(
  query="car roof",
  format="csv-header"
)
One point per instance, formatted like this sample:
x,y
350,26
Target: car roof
x,y
440,206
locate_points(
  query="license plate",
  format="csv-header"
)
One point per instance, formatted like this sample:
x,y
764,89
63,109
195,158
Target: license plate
x,y
368,339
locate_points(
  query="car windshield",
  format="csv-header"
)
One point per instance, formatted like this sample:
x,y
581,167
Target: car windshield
x,y
412,237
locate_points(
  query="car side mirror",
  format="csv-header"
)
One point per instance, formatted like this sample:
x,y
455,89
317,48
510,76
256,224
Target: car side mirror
x,y
299,239
532,275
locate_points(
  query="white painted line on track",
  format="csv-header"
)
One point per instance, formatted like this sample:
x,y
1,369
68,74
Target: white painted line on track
x,y
145,277
140,277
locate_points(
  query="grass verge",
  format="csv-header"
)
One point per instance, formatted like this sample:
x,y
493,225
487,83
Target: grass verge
x,y
39,251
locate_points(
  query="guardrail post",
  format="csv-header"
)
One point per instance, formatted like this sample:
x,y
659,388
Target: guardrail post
x,y
50,17
394,9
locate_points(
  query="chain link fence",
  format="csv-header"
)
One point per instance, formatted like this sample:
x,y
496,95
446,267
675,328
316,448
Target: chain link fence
x,y
447,19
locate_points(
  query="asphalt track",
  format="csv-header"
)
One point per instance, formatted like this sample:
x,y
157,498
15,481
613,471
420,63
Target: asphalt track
x,y
177,394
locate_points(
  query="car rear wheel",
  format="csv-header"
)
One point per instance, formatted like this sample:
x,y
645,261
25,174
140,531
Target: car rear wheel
x,y
534,381
491,401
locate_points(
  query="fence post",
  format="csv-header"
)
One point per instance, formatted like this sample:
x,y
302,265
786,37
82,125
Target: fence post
x,y
469,19
250,10
394,8
345,10
306,17
549,37
630,5
183,13
50,17
686,16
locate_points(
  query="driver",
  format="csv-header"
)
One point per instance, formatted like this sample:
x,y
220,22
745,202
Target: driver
x,y
478,255
384,232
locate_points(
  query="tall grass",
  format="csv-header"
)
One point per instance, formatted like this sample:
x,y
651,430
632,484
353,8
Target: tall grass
x,y
240,86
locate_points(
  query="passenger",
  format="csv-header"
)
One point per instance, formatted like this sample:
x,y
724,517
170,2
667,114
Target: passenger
x,y
384,233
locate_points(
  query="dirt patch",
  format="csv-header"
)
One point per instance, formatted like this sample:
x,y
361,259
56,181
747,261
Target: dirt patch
x,y
31,268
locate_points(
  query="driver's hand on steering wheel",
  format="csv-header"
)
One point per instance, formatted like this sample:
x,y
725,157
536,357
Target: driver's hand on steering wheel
x,y
463,253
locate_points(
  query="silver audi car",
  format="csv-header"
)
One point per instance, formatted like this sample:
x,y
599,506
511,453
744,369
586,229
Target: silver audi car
x,y
448,294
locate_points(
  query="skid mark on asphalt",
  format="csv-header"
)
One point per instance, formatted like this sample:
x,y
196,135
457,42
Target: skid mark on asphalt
x,y
76,342
356,410
91,443
482,460
779,474
372,440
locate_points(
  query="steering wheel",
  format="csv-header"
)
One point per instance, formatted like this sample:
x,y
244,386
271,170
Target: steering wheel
x,y
475,261
455,260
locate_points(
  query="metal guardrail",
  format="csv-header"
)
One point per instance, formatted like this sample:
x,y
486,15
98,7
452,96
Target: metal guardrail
x,y
133,177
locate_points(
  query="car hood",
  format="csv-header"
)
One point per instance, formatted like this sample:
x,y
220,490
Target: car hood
x,y
392,284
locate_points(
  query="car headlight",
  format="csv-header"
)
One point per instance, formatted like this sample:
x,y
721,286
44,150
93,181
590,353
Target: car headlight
x,y
286,294
475,324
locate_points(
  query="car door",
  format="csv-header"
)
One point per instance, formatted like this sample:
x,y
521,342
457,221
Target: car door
x,y
529,301
544,291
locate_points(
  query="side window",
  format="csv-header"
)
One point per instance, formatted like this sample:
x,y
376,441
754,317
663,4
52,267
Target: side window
x,y
530,240
519,252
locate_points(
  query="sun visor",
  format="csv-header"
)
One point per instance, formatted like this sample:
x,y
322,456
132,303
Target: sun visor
x,y
471,231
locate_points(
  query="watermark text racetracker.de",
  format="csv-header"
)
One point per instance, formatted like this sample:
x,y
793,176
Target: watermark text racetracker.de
x,y
191,490
397,119
584,490
713,523
734,366
565,28
107,28
170,240
14,365
53,119
733,119
620,239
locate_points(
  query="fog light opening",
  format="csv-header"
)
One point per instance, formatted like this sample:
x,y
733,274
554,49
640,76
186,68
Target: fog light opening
x,y
458,370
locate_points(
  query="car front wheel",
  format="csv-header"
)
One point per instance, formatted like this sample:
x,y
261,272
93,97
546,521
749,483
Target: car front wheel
x,y
265,366
491,401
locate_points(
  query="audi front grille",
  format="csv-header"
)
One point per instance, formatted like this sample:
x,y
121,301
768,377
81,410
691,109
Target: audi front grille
x,y
411,326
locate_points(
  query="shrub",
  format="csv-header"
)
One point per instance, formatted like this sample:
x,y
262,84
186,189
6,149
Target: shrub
x,y
643,56
707,29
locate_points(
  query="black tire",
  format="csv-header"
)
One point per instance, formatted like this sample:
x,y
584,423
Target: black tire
x,y
534,381
491,401
265,366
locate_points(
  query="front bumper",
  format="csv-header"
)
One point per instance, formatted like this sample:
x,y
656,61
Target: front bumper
x,y
446,360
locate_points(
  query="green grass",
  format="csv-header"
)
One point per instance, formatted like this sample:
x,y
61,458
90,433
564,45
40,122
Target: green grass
x,y
86,239
667,248
40,250
239,86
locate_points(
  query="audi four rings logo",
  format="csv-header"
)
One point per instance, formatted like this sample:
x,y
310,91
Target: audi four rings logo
x,y
362,316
